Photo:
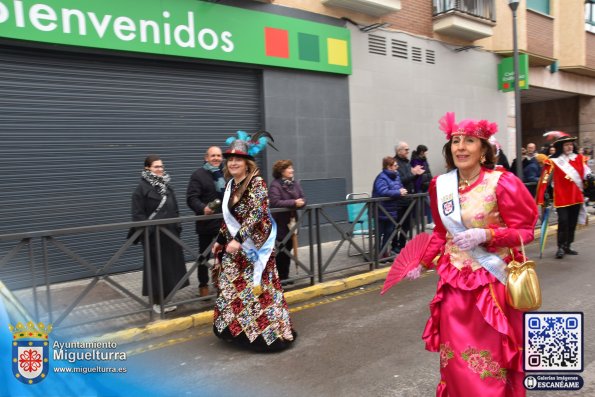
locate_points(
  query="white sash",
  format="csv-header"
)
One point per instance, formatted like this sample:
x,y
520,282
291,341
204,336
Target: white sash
x,y
260,256
572,173
569,170
450,214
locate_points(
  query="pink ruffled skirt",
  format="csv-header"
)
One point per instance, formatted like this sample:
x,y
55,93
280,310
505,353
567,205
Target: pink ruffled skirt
x,y
478,335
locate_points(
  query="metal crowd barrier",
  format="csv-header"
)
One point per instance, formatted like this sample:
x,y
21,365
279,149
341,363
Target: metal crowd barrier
x,y
311,221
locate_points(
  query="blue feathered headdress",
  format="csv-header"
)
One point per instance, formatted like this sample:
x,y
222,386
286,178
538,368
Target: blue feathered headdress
x,y
244,145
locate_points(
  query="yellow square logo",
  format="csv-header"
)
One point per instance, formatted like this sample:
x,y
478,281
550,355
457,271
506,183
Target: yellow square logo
x,y
337,52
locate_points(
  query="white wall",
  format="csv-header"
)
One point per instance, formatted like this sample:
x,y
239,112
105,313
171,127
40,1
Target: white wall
x,y
394,99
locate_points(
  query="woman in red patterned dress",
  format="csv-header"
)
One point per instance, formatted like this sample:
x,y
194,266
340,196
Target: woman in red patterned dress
x,y
250,308
481,215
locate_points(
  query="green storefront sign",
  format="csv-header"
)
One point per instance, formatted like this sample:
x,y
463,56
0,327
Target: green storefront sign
x,y
187,28
506,73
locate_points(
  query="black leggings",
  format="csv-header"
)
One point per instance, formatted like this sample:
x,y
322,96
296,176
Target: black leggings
x,y
567,219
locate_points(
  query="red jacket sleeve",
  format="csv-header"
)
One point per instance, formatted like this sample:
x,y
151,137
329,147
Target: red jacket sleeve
x,y
517,209
544,181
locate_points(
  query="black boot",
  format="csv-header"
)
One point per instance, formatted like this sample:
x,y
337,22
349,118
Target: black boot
x,y
569,251
560,253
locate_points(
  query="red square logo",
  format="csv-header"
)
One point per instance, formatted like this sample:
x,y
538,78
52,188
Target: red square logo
x,y
276,42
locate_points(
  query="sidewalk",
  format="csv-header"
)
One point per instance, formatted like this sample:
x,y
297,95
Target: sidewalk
x,y
104,300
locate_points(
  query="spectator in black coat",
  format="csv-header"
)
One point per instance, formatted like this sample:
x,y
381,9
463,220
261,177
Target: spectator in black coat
x,y
422,182
154,198
408,175
502,163
503,160
206,185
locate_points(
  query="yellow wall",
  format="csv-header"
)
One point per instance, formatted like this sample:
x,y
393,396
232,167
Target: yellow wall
x,y
502,38
569,28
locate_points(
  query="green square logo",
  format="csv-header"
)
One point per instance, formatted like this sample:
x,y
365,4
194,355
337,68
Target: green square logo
x,y
309,47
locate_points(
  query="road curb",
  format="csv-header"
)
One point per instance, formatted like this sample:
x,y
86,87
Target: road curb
x,y
164,327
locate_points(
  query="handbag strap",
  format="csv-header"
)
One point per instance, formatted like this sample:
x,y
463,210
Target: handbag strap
x,y
522,249
163,199
522,246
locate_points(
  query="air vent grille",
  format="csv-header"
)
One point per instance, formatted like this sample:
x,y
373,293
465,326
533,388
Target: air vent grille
x,y
430,57
376,44
399,49
416,54
379,45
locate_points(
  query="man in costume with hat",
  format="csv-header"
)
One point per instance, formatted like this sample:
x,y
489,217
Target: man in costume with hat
x,y
565,171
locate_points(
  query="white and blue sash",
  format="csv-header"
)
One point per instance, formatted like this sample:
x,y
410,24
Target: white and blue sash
x,y
259,257
450,214
563,163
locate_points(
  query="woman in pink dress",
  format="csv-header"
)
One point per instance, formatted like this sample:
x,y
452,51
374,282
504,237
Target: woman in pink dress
x,y
481,215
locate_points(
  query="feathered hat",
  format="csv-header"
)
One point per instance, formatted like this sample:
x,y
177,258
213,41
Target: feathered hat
x,y
247,146
559,138
478,128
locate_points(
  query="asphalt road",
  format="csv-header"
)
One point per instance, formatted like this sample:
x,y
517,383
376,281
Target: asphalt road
x,y
356,343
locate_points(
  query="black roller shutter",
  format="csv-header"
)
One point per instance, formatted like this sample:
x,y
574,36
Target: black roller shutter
x,y
75,129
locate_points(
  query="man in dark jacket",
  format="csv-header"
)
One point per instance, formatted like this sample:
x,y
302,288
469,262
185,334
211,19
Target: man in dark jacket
x,y
531,168
206,185
407,175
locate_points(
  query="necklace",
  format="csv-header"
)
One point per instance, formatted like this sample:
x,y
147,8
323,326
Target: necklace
x,y
465,183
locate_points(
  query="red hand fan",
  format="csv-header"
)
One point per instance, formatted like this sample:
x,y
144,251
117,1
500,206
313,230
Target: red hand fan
x,y
408,259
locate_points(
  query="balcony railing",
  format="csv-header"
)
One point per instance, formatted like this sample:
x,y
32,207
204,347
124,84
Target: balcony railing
x,y
484,9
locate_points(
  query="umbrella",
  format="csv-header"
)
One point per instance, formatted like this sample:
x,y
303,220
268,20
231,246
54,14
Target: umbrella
x,y
544,225
294,238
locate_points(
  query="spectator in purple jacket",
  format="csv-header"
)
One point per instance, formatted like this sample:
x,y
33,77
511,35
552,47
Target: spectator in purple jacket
x,y
285,192
388,184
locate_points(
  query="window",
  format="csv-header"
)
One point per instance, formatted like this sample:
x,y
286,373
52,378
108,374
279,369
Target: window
x,y
479,8
590,15
542,6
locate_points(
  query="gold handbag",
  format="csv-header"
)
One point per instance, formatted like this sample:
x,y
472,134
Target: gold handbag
x,y
522,285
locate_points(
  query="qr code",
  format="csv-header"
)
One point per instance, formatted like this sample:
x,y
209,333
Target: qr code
x,y
553,342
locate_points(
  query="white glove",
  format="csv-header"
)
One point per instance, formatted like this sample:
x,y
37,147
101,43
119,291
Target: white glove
x,y
469,239
415,273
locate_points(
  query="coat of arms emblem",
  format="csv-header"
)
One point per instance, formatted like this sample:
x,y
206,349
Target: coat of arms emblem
x,y
448,205
30,352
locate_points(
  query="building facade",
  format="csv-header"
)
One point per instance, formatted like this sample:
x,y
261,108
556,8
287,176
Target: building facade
x,y
468,38
91,88
88,92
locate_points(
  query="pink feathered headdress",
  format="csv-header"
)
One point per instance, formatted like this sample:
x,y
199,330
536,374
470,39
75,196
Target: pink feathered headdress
x,y
478,128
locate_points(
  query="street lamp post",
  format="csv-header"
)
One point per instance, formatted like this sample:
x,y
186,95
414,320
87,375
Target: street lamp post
x,y
514,4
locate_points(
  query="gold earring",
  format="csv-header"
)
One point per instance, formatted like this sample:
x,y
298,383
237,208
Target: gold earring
x,y
482,159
